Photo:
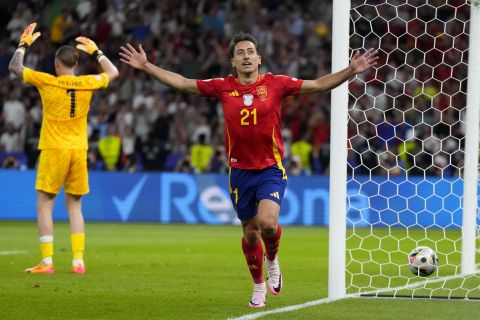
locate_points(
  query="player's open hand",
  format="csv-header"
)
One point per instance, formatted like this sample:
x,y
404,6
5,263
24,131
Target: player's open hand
x,y
132,57
87,45
28,37
360,63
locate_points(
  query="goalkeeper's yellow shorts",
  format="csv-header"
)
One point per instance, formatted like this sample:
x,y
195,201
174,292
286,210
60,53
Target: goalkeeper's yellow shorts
x,y
63,167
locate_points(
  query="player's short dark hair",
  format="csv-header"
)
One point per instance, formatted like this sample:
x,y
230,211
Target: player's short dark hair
x,y
67,55
241,36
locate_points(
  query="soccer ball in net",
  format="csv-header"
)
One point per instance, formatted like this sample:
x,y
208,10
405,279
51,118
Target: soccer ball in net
x,y
422,261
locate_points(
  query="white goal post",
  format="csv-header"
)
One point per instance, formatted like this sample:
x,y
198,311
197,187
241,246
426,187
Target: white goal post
x,y
378,213
338,154
471,147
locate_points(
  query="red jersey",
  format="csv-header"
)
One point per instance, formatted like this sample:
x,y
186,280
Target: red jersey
x,y
253,137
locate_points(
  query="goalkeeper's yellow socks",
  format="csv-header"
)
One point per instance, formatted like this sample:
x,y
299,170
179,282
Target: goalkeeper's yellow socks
x,y
78,247
46,249
46,252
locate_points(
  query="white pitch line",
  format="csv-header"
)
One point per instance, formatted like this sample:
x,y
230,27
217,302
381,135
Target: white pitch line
x,y
418,284
6,253
284,309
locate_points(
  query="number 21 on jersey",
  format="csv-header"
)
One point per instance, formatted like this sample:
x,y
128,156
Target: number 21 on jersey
x,y
248,116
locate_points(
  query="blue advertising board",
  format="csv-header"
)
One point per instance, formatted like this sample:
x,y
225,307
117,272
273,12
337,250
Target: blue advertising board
x,y
188,198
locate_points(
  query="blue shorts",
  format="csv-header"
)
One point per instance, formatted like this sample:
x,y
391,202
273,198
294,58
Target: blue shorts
x,y
248,187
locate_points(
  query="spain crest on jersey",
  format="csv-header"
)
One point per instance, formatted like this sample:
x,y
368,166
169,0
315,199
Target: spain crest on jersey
x,y
248,99
262,92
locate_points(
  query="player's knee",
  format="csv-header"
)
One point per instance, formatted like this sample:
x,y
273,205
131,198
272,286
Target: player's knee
x,y
269,229
252,236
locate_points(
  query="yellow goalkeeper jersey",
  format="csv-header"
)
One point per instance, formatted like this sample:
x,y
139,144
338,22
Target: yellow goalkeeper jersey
x,y
66,102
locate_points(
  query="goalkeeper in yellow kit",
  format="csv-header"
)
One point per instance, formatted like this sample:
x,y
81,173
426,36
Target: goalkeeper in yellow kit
x,y
63,139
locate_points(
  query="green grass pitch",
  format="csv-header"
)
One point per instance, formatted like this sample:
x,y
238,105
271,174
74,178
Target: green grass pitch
x,y
155,271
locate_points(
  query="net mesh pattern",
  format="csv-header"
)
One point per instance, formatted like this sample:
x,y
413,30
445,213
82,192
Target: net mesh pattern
x,y
406,147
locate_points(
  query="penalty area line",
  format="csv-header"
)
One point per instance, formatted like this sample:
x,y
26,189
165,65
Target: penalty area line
x,y
12,252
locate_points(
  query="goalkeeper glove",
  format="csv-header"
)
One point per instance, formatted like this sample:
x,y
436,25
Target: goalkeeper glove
x,y
89,46
28,37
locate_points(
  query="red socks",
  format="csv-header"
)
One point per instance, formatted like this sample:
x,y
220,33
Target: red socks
x,y
254,257
254,254
272,244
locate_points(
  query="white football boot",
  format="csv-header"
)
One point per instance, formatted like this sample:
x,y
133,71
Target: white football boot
x,y
274,276
259,296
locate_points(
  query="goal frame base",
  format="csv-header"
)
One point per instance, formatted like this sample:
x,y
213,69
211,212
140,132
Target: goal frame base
x,y
400,296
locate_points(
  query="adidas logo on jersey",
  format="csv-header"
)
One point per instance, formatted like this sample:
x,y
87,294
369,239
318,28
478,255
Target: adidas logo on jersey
x,y
275,195
234,93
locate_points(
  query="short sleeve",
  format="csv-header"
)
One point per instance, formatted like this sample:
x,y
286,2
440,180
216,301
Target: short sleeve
x,y
36,78
289,86
210,87
95,81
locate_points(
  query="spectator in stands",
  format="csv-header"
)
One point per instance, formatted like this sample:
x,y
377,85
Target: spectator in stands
x,y
202,129
390,165
14,108
319,123
161,127
320,158
294,41
5,56
60,25
184,165
218,163
301,150
109,148
22,16
10,162
10,140
201,154
295,166
142,122
116,18
152,152
144,97
212,17
125,117
128,149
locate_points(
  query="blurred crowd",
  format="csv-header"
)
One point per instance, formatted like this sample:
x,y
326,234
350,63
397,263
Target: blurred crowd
x,y
405,116
408,117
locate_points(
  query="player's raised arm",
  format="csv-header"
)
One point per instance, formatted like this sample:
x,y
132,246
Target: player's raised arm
x,y
358,64
26,39
90,47
138,60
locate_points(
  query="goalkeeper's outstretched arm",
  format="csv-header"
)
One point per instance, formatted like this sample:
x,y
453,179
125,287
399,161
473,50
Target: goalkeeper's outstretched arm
x,y
16,64
358,64
90,47
138,60
26,39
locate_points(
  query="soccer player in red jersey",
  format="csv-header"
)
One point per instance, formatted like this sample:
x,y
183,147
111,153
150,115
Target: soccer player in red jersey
x,y
251,104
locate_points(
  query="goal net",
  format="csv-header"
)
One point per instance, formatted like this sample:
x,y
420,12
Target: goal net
x,y
406,149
